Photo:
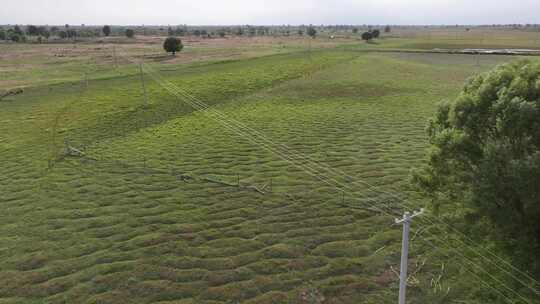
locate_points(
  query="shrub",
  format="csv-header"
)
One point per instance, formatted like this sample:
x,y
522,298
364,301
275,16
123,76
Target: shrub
x,y
375,33
367,36
130,33
15,38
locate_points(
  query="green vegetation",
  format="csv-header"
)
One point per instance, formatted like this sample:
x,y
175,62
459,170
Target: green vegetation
x,y
367,36
106,200
173,45
485,159
130,33
312,32
106,30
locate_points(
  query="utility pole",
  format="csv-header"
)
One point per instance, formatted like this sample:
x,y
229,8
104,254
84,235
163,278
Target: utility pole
x,y
115,60
406,221
143,86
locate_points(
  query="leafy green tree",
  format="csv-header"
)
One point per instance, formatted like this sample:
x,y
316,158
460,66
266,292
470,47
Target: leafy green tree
x,y
367,36
178,32
484,160
62,34
32,30
312,32
71,33
375,33
3,35
15,34
43,32
387,29
130,33
173,45
300,33
252,31
17,30
17,38
355,31
106,30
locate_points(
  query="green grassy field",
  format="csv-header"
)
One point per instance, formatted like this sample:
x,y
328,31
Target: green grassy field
x,y
167,205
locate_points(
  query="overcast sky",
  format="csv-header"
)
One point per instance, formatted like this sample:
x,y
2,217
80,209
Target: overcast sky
x,y
268,12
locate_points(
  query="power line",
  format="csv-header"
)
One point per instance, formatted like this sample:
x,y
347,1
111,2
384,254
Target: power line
x,y
223,120
467,260
371,188
474,249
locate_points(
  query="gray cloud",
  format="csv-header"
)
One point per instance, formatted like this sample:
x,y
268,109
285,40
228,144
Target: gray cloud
x,y
269,11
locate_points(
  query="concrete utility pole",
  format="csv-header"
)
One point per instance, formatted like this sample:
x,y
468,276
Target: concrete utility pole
x,y
114,54
143,86
406,221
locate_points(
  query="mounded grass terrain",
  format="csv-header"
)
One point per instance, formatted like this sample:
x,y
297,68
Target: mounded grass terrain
x,y
166,205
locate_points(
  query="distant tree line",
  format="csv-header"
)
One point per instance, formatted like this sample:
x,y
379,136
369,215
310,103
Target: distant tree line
x,y
34,33
40,34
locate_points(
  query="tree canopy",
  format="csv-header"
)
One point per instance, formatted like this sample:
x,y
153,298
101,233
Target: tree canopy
x,y
173,45
312,32
367,36
17,30
32,30
106,30
130,33
484,158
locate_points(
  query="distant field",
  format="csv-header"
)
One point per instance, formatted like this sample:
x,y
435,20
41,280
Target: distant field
x,y
35,64
168,206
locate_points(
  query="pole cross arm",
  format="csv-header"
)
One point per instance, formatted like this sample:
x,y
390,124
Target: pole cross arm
x,y
407,217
